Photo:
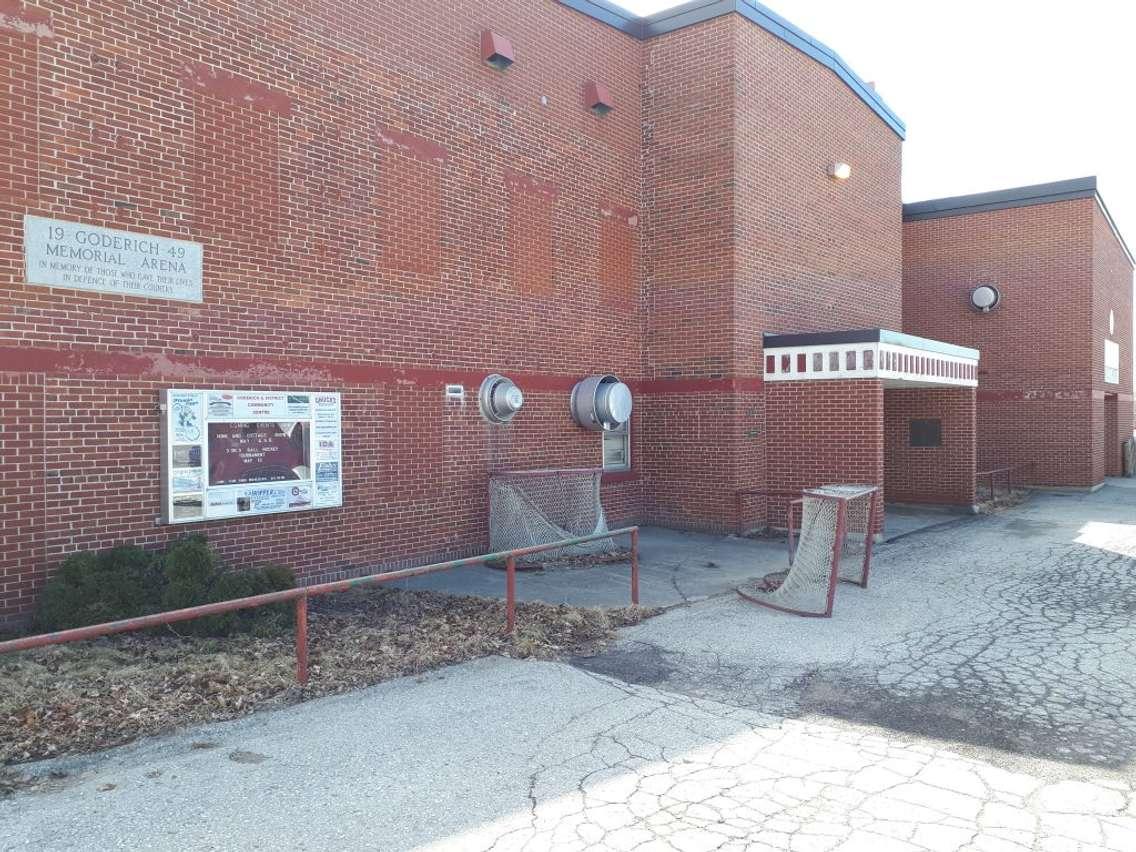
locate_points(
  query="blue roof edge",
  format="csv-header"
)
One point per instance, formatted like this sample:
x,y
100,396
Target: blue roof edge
x,y
698,11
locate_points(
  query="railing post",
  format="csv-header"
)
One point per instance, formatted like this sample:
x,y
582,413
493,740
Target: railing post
x,y
302,640
511,594
792,532
635,567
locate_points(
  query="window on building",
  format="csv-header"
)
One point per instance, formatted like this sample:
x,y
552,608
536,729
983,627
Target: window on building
x,y
617,448
927,433
1112,362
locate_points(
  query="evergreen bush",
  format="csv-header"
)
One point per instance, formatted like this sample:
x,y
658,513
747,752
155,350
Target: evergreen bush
x,y
128,581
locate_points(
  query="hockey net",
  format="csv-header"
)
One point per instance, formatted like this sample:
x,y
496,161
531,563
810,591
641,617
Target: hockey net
x,y
532,507
859,530
834,543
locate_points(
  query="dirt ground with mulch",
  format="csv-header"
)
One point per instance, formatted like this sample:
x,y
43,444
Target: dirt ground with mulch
x,y
1005,501
70,699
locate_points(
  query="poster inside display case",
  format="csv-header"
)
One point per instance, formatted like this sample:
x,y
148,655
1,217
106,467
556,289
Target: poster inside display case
x,y
231,454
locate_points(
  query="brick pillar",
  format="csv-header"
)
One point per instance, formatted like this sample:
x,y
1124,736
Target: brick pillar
x,y
821,432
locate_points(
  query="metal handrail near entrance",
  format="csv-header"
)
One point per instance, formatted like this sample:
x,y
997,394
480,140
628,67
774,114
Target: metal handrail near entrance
x,y
300,597
993,475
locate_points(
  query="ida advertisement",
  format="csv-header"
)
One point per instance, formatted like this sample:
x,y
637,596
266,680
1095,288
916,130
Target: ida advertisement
x,y
231,454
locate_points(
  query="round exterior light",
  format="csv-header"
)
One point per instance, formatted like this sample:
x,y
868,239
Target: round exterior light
x,y
500,399
985,298
601,403
840,171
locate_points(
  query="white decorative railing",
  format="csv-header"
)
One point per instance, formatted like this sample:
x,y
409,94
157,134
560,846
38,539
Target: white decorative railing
x,y
902,359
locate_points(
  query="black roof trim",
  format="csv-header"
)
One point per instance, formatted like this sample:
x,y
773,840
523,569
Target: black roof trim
x,y
822,338
1021,196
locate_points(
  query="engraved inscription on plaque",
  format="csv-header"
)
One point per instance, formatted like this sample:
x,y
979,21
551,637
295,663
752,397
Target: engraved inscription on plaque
x,y
86,257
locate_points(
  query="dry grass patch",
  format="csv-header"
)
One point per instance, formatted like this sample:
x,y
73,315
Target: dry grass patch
x,y
78,698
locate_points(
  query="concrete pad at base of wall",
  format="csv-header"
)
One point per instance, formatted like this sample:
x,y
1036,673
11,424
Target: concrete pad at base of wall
x,y
675,567
932,508
1068,489
904,519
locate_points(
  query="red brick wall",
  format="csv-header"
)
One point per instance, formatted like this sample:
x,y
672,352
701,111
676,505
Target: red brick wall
x,y
383,214
1038,348
745,233
823,432
22,498
1112,291
942,475
691,439
814,254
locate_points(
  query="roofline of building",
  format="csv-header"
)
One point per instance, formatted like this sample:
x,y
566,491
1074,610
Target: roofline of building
x,y
697,11
1021,196
865,335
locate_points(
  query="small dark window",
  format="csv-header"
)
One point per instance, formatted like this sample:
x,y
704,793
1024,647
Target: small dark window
x,y
927,433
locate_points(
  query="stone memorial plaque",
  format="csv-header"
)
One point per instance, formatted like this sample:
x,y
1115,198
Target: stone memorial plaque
x,y
87,257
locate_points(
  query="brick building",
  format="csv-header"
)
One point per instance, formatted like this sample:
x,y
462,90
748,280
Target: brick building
x,y
390,202
1055,385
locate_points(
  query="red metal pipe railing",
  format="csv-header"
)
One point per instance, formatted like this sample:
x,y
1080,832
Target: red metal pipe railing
x,y
300,597
992,476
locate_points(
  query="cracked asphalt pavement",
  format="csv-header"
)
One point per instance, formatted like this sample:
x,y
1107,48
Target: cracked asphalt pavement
x,y
980,695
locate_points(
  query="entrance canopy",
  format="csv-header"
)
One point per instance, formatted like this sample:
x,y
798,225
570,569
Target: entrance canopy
x,y
897,360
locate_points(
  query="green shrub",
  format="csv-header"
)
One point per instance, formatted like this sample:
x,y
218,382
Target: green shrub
x,y
262,620
128,581
191,566
93,587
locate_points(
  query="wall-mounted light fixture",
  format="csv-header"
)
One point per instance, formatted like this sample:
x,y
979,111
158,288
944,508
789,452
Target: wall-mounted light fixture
x,y
840,171
496,50
985,298
598,98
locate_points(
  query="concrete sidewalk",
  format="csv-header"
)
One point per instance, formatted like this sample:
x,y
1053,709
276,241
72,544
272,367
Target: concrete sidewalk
x,y
675,567
979,696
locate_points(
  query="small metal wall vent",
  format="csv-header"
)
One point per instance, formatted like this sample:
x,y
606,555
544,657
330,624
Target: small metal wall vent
x,y
500,399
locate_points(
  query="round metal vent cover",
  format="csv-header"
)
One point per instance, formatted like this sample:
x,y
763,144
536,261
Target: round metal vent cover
x,y
985,297
601,403
500,399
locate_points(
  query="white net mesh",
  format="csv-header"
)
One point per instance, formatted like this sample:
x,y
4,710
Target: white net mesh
x,y
533,507
855,553
809,585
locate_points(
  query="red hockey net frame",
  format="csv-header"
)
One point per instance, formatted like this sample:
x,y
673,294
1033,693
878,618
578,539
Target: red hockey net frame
x,y
860,518
846,503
